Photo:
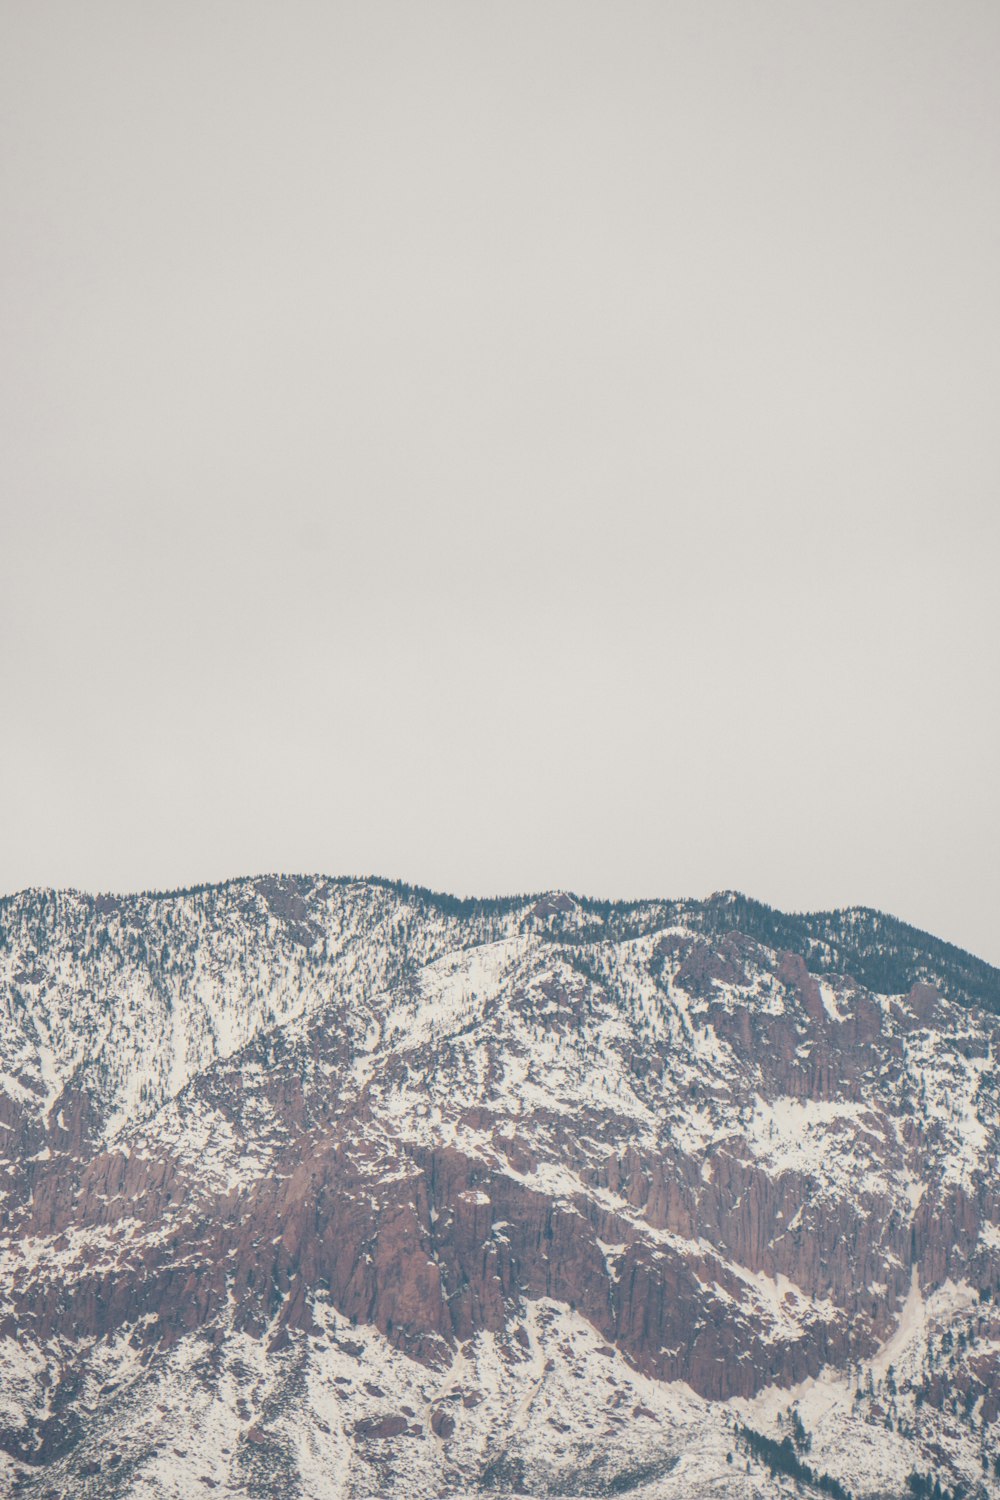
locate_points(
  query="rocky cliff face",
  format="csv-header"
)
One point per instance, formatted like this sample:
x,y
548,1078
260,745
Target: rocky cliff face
x,y
322,1187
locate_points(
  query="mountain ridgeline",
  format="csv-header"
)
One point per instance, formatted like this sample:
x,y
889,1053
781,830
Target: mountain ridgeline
x,y
879,950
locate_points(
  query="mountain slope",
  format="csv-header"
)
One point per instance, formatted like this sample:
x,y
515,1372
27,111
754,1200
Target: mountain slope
x,y
323,1187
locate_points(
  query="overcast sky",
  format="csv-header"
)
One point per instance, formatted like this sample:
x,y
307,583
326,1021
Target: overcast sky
x,y
505,446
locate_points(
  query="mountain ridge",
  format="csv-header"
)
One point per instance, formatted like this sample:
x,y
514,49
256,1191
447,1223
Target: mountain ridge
x,y
354,1176
972,979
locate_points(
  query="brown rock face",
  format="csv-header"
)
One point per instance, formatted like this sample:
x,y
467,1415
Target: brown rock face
x,y
393,1425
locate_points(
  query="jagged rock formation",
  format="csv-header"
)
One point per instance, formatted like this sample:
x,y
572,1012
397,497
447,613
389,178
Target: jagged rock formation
x,y
316,1187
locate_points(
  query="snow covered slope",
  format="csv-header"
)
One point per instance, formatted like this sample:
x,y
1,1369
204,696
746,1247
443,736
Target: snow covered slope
x,y
322,1187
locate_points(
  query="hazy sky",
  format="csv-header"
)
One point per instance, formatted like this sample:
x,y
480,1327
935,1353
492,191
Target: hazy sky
x,y
504,445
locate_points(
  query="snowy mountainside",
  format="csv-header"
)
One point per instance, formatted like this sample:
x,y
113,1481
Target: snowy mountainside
x,y
322,1188
127,998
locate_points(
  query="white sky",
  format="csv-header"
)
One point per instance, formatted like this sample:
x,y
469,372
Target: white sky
x,y
504,446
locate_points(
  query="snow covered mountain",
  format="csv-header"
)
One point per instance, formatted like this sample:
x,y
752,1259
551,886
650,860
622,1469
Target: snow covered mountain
x,y
320,1188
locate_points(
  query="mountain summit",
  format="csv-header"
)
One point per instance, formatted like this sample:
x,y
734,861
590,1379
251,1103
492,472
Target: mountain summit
x,y
323,1188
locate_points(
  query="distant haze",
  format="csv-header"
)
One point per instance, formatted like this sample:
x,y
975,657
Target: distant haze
x,y
504,446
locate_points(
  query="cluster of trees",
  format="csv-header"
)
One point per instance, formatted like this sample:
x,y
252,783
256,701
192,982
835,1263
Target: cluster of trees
x,y
878,950
449,906
782,1458
926,1487
785,1457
